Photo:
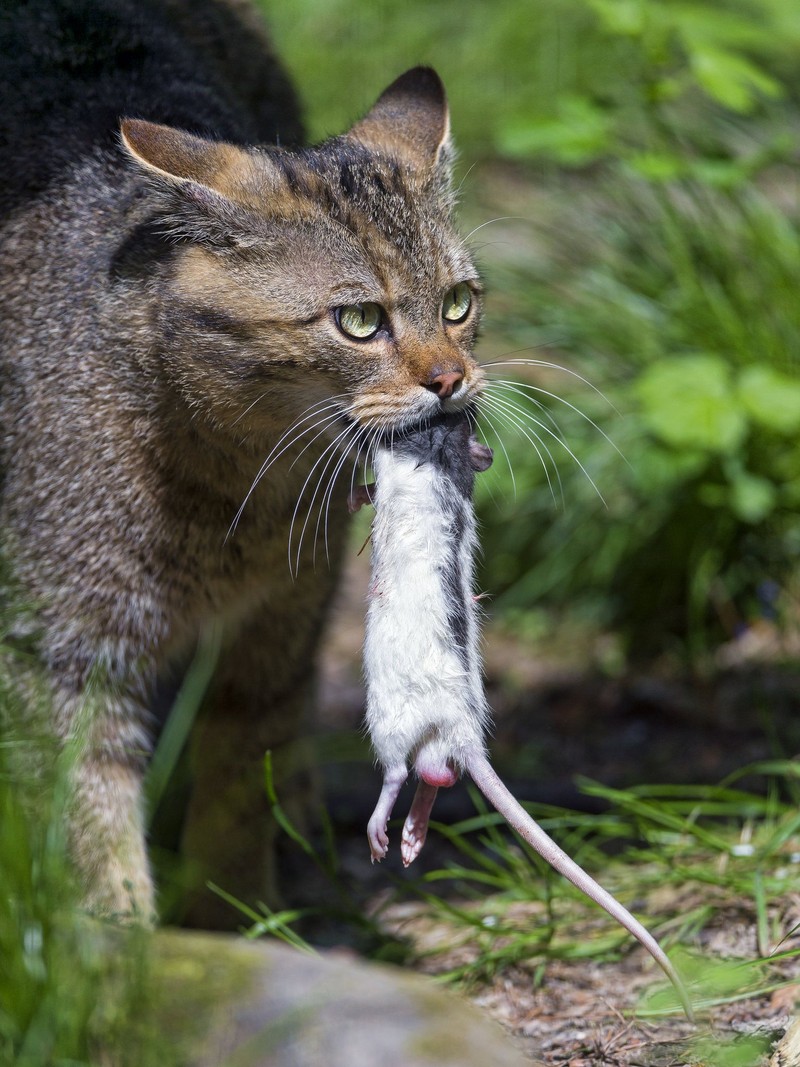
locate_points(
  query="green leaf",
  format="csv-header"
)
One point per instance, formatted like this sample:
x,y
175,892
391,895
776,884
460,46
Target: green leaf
x,y
624,17
752,498
730,79
689,402
659,469
771,399
578,134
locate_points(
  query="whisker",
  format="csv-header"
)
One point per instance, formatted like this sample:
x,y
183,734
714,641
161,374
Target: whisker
x,y
522,412
248,409
511,386
277,451
522,387
354,447
461,183
473,420
519,362
500,218
325,423
330,453
327,495
483,414
503,408
325,426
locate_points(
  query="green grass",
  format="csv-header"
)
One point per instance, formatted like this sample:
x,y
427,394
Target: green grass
x,y
565,82
66,1000
684,857
665,508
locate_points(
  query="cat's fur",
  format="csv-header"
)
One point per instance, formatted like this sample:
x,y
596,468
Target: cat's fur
x,y
167,314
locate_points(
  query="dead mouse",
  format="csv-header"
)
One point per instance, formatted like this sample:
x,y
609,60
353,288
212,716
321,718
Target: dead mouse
x,y
426,705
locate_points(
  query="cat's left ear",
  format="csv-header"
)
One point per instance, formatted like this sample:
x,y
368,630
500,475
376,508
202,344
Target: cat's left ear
x,y
208,188
410,122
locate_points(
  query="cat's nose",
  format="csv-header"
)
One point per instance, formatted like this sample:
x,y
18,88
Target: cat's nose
x,y
444,382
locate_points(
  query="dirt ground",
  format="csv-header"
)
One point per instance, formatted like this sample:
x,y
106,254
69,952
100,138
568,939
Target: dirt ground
x,y
555,720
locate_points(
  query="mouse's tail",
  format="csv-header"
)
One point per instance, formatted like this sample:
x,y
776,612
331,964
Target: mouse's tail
x,y
486,779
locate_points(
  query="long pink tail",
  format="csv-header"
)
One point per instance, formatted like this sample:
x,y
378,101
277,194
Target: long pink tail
x,y
486,779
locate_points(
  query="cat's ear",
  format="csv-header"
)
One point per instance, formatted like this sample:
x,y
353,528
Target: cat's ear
x,y
410,122
206,185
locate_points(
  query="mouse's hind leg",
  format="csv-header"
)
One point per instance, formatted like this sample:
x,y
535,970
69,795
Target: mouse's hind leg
x,y
415,828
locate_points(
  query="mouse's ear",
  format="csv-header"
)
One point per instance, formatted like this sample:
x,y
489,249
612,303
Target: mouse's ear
x,y
410,122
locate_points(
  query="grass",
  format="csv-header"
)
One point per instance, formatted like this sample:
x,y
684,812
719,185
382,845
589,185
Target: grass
x,y
686,858
65,1000
667,511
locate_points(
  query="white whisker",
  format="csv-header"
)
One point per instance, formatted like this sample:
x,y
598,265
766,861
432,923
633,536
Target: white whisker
x,y
483,414
500,218
523,387
497,385
293,434
330,453
552,366
248,409
504,409
525,414
325,503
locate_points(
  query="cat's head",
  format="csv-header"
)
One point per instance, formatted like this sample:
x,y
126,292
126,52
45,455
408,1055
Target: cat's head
x,y
328,275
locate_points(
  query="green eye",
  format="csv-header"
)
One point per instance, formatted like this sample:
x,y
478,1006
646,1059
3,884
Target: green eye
x,y
361,321
457,303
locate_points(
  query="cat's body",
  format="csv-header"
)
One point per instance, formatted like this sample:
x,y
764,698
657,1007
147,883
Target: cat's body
x,y
146,378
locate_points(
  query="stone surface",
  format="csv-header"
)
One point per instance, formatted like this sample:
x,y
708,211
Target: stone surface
x,y
221,1000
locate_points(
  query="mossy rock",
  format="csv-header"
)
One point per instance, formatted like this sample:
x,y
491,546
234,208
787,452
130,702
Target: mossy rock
x,y
212,999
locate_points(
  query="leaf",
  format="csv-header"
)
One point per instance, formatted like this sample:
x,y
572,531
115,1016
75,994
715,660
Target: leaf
x,y
730,79
689,402
579,133
752,498
771,399
624,17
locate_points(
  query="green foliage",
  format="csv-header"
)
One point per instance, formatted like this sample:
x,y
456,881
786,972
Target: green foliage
x,y
65,998
569,81
661,274
685,302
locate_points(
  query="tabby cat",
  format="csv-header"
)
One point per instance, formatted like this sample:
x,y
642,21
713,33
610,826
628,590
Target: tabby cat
x,y
203,327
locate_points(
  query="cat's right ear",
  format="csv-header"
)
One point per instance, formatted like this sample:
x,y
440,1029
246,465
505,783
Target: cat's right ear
x,y
410,122
205,184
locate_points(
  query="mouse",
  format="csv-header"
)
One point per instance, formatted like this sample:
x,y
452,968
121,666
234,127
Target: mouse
x,y
426,703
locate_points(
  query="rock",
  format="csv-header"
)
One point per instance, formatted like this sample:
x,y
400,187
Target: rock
x,y
221,1000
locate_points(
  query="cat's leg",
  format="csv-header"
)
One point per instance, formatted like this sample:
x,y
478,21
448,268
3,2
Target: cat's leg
x,y
108,843
103,751
261,701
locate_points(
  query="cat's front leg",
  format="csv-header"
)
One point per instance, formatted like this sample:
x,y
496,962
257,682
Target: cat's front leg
x,y
104,747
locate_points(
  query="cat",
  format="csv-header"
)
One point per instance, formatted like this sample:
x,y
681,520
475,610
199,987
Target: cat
x,y
203,323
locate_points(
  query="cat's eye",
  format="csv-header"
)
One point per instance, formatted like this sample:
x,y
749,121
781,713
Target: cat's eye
x,y
457,302
361,321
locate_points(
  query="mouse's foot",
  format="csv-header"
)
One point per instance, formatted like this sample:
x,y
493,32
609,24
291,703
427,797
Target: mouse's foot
x,y
376,829
415,828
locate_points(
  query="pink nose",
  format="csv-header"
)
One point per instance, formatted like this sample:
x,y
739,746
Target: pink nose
x,y
444,383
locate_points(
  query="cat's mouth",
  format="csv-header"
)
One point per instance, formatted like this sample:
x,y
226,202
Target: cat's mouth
x,y
391,411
